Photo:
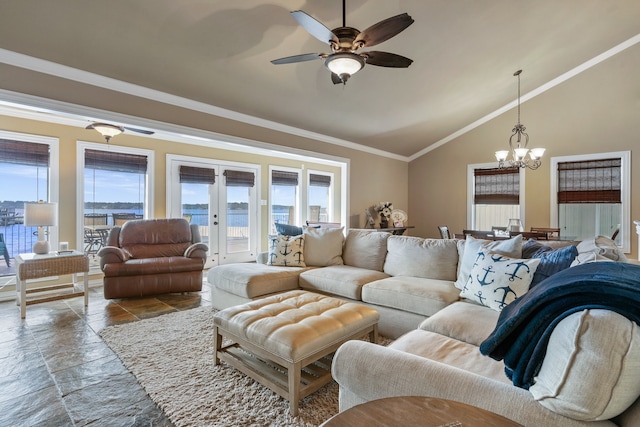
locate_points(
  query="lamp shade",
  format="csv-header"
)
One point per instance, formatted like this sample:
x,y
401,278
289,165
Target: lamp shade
x,y
40,214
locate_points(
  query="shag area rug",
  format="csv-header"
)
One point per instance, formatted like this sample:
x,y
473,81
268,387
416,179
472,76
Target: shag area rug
x,y
172,357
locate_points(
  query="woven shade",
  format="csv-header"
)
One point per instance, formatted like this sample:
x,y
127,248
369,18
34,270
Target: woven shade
x,y
284,178
497,186
239,178
24,153
590,181
194,175
319,180
113,161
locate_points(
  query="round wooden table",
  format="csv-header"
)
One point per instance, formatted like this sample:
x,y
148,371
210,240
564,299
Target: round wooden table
x,y
417,411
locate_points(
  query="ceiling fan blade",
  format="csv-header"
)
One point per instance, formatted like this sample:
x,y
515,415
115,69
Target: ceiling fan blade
x,y
336,79
143,131
383,30
314,27
299,58
386,59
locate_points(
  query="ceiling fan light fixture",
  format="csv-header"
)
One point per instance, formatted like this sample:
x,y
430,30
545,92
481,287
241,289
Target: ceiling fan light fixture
x,y
344,64
107,130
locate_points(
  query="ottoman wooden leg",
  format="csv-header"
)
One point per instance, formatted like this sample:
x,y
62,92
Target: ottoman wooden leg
x,y
373,335
217,345
294,374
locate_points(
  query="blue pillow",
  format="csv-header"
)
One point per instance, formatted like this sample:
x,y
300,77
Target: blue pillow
x,y
551,260
288,230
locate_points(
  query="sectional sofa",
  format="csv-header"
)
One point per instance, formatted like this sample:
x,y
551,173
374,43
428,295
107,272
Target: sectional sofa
x,y
434,296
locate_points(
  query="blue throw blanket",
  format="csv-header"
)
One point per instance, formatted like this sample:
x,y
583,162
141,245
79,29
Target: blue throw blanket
x,y
524,326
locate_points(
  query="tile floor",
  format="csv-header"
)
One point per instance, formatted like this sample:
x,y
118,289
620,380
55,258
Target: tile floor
x,y
56,371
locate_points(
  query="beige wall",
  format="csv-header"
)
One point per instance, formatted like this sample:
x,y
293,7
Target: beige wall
x,y
596,111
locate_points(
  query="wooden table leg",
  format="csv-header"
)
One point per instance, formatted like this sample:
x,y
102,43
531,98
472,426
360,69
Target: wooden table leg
x,y
217,345
294,374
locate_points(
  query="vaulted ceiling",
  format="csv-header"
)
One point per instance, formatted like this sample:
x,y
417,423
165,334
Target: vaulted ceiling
x,y
218,52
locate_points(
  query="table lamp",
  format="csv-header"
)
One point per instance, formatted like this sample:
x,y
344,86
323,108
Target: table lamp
x,y
41,215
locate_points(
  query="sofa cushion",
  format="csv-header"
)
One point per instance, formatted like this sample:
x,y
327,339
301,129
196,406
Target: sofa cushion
x,y
412,294
365,249
497,280
450,351
251,280
464,321
417,257
323,246
598,249
509,247
286,251
151,266
551,260
592,368
342,280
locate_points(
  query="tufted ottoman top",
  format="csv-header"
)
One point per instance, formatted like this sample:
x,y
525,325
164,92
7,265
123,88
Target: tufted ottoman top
x,y
295,324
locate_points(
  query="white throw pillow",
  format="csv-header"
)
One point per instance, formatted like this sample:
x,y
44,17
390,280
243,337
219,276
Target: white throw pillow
x,y
597,249
323,246
497,280
591,370
509,247
286,251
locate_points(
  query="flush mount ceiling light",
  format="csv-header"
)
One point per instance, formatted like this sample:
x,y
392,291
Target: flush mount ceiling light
x,y
106,130
109,131
521,156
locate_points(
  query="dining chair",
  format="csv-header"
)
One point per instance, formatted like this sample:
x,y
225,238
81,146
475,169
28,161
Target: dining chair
x,y
551,233
444,232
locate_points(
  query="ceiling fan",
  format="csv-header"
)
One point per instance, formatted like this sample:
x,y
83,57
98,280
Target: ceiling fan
x,y
108,130
344,59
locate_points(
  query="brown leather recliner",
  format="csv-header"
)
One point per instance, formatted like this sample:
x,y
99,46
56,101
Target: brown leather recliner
x,y
152,256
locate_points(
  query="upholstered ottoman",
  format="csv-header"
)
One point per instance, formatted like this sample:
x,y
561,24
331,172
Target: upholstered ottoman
x,y
286,341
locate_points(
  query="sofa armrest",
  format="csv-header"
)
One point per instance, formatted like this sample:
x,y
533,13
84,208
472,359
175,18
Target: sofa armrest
x,y
112,255
368,371
197,250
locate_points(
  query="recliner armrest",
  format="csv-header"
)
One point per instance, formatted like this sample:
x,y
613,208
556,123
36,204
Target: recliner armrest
x,y
197,250
112,255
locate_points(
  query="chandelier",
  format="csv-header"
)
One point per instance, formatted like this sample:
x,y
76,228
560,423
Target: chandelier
x,y
521,156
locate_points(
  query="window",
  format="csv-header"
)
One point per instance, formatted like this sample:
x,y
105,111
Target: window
x,y
285,194
28,172
494,196
117,183
591,196
320,196
239,188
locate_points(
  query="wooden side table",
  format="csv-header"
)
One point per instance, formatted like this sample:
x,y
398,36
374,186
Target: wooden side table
x,y
417,411
35,266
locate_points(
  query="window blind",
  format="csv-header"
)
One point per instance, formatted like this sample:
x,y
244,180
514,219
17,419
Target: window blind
x,y
195,175
590,181
239,178
284,178
114,161
497,186
319,180
24,153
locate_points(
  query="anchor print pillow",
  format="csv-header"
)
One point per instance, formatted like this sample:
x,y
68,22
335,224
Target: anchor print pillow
x,y
286,251
497,280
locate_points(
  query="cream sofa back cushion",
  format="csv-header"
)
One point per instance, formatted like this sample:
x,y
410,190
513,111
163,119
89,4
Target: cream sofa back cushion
x,y
593,370
323,246
417,257
365,249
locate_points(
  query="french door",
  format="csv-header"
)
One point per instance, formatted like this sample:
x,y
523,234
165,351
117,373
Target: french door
x,y
222,199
